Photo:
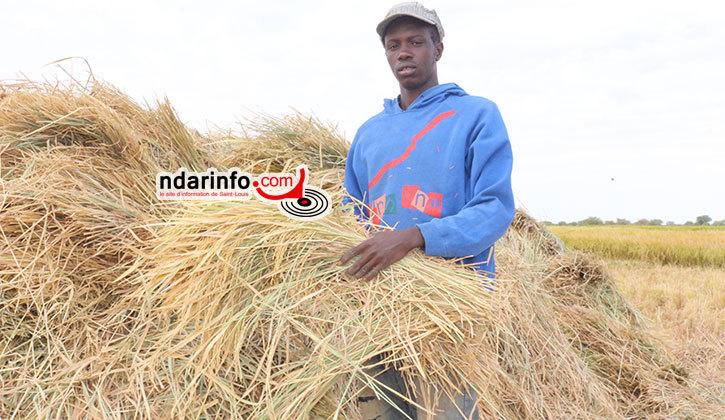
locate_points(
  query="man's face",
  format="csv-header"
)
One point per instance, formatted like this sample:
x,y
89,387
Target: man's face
x,y
412,55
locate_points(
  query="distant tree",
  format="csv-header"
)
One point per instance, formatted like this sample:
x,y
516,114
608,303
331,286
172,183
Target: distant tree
x,y
591,221
655,222
623,222
571,224
609,222
546,223
719,223
642,222
670,223
703,220
689,223
562,223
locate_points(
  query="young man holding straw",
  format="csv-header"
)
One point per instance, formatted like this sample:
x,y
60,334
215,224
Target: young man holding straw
x,y
435,164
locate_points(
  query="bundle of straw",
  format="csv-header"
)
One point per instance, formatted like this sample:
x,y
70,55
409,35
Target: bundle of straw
x,y
114,305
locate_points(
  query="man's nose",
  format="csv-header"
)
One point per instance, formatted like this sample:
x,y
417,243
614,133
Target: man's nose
x,y
404,54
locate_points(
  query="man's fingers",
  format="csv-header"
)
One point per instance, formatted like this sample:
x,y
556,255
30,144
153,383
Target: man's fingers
x,y
375,254
373,272
360,263
372,268
351,253
379,266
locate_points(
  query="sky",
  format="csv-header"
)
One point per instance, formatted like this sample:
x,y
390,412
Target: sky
x,y
614,109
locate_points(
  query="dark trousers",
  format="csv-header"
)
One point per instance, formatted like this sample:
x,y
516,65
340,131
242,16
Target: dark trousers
x,y
463,406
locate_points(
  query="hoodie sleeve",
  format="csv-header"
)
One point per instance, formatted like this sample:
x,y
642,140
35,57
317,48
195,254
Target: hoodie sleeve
x,y
352,183
489,212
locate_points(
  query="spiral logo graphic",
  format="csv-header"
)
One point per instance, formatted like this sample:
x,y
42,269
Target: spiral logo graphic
x,y
315,203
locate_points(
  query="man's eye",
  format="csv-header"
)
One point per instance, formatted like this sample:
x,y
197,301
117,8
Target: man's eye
x,y
417,43
392,47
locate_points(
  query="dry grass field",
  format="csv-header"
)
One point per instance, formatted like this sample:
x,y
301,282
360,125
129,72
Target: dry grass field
x,y
684,298
685,304
682,245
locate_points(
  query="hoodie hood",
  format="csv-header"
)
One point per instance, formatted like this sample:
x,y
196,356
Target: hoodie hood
x,y
433,95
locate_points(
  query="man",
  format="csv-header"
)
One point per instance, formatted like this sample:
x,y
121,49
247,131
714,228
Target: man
x,y
435,164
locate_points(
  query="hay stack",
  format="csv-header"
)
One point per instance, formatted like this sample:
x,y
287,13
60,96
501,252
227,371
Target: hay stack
x,y
113,305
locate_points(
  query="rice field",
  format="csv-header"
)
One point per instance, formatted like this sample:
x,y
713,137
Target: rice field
x,y
682,245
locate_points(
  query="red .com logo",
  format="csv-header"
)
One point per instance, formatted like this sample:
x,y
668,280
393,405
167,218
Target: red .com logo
x,y
293,196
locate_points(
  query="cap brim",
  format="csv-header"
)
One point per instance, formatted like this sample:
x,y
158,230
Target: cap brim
x,y
384,24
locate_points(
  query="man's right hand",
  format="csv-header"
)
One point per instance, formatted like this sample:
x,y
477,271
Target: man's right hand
x,y
381,251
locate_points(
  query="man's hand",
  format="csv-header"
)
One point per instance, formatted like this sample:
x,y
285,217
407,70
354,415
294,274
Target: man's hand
x,y
382,250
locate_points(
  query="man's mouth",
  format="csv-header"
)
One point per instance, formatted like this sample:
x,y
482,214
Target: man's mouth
x,y
406,70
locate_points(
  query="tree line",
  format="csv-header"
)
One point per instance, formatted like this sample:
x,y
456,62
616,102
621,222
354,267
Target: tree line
x,y
703,220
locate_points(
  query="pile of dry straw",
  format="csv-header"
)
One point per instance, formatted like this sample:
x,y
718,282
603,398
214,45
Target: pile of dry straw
x,y
116,305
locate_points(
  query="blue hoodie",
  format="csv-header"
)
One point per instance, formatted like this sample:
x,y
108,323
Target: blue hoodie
x,y
444,165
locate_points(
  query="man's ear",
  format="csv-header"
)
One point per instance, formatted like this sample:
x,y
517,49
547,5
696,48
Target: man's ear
x,y
439,51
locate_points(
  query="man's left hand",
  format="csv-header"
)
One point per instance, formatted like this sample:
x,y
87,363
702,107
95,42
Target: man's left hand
x,y
382,250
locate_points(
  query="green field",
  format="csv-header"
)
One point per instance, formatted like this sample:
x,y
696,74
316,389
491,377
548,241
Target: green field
x,y
683,245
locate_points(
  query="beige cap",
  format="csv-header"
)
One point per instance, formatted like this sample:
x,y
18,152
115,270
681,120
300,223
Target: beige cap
x,y
413,9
